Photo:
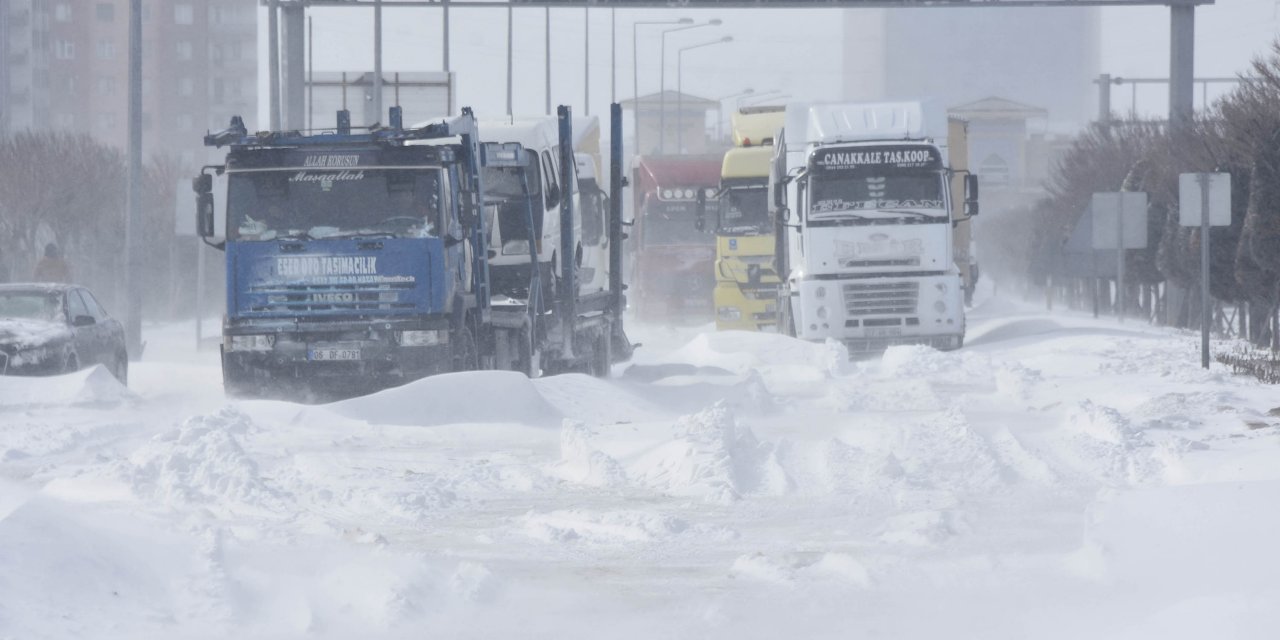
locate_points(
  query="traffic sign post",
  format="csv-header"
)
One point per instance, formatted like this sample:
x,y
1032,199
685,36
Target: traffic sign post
x,y
1119,222
1204,201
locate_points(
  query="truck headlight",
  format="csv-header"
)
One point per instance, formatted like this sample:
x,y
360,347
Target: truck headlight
x,y
729,313
429,338
252,343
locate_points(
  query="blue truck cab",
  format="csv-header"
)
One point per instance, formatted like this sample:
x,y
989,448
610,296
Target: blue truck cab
x,y
351,258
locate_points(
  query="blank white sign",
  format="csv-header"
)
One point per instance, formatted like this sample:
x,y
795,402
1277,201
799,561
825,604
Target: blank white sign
x,y
1110,206
1189,199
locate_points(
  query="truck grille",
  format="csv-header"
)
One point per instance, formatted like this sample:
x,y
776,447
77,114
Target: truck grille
x,y
901,262
357,298
881,298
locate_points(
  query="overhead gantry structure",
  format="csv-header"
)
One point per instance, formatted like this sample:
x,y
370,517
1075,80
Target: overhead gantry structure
x,y
288,75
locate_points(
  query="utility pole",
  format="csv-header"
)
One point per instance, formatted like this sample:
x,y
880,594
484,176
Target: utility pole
x,y
377,62
133,222
273,62
586,62
293,79
1104,98
1182,28
613,55
311,76
1120,255
1205,312
444,5
510,39
547,15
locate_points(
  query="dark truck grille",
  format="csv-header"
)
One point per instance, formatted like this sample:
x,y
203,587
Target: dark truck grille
x,y
327,297
902,262
881,298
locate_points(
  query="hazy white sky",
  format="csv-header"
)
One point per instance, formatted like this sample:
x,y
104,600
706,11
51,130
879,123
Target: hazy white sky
x,y
796,52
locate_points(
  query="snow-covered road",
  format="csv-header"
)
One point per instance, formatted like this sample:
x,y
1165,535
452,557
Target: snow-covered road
x,y
1060,477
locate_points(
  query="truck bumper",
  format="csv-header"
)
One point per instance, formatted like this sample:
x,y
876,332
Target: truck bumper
x,y
872,314
746,309
366,354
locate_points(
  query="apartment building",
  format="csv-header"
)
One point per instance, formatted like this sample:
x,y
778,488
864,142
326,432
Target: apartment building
x,y
66,67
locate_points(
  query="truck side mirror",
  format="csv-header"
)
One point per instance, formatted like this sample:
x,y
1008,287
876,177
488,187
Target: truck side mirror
x,y
971,195
202,183
700,222
204,215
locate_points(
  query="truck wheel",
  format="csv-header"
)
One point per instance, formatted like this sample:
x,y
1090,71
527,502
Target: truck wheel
x,y
529,359
786,325
463,347
601,358
236,381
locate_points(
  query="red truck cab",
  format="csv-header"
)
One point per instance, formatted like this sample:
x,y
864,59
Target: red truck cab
x,y
672,261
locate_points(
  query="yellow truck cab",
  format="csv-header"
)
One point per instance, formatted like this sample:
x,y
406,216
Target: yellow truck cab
x,y
746,291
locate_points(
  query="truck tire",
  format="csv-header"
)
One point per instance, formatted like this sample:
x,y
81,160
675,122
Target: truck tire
x,y
237,381
786,324
601,360
529,358
463,350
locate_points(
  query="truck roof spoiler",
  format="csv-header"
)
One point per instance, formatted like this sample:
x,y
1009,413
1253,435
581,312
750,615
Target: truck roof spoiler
x,y
237,135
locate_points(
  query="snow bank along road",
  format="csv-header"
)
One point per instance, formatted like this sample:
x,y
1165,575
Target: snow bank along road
x,y
1058,478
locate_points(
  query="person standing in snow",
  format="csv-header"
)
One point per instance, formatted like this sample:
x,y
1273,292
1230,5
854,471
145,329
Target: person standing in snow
x,y
52,268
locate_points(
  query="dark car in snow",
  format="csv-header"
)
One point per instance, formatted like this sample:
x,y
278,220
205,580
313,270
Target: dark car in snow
x,y
48,329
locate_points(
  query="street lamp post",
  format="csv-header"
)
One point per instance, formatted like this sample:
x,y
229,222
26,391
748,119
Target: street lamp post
x,y
635,75
680,89
662,80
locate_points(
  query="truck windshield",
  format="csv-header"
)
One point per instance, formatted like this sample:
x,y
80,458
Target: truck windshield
x,y
503,190
673,223
313,204
862,191
745,210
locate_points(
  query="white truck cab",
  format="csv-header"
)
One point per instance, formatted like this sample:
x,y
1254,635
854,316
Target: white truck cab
x,y
863,204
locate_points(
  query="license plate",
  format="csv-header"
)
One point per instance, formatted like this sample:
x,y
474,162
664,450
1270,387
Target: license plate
x,y
328,354
883,332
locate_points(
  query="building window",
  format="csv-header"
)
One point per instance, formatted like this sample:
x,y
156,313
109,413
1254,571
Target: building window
x,y
64,50
186,87
184,50
106,49
106,12
62,12
183,14
105,86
